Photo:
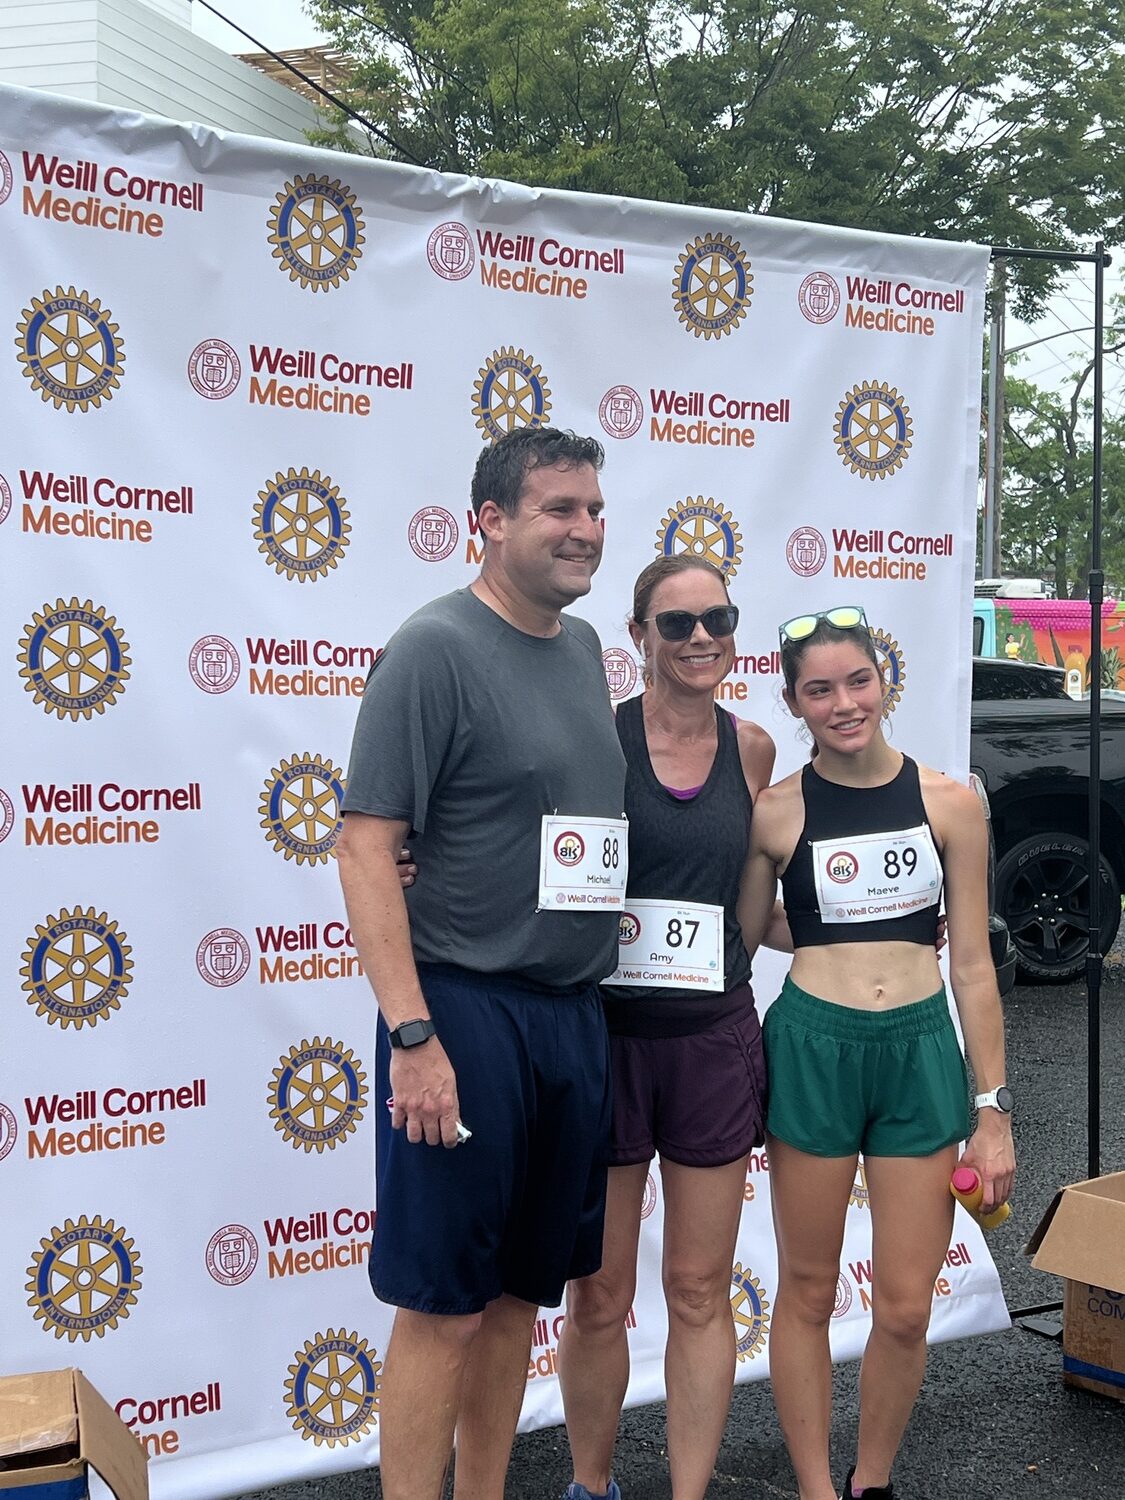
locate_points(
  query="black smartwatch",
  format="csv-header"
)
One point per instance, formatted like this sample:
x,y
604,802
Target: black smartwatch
x,y
1000,1099
412,1033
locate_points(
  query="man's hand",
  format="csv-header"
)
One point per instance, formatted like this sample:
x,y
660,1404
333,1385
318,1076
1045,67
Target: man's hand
x,y
424,1089
407,870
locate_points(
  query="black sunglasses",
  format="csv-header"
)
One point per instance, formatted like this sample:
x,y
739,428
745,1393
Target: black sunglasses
x,y
679,624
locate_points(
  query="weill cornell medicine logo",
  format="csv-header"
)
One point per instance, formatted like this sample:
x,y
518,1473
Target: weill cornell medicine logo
x,y
511,391
301,524
231,1255
316,230
214,664
818,297
751,1313
73,659
5,499
702,528
9,1131
302,808
214,369
450,252
6,178
712,287
621,411
806,551
332,1393
84,1278
432,533
317,1095
873,430
7,815
223,957
70,349
77,968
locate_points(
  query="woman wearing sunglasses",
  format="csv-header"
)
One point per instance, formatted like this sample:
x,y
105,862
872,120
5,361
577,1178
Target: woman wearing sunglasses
x,y
862,1053
688,1072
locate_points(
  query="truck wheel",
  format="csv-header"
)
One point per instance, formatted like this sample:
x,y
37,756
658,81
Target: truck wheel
x,y
1042,892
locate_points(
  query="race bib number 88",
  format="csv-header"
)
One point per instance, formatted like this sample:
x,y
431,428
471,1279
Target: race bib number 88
x,y
583,863
871,876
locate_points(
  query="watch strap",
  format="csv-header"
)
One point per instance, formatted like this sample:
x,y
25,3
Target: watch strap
x,y
991,1099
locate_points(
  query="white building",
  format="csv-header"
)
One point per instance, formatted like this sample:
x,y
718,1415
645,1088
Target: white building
x,y
143,55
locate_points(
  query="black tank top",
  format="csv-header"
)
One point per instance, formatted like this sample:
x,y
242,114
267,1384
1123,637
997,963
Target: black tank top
x,y
839,813
683,850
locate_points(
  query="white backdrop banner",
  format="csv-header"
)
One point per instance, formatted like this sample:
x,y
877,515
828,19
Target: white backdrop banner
x,y
245,387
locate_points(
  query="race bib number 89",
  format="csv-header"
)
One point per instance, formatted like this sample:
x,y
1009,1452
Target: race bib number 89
x,y
871,876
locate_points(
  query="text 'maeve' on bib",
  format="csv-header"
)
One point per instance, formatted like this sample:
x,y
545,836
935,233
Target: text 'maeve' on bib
x,y
872,876
583,862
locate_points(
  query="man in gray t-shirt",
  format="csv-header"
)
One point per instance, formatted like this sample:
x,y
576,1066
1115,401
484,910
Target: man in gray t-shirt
x,y
486,737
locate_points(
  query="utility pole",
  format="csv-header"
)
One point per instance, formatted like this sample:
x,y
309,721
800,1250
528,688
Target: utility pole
x,y
994,454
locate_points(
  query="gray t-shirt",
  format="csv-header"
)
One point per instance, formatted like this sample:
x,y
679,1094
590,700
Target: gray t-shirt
x,y
471,730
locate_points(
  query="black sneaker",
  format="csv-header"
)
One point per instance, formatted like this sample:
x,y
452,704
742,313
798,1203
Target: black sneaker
x,y
872,1491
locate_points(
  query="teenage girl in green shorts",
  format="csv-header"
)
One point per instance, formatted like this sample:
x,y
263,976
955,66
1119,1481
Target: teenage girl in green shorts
x,y
861,1051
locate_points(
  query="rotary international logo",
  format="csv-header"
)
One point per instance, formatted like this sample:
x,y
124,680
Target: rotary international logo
x,y
316,229
432,533
223,957
77,968
214,369
318,1094
621,411
712,286
84,1278
892,664
873,430
5,178
704,529
9,1131
332,1392
70,349
511,391
806,551
232,1254
620,672
301,524
858,1197
7,815
214,664
818,297
73,659
302,808
450,252
751,1313
844,1296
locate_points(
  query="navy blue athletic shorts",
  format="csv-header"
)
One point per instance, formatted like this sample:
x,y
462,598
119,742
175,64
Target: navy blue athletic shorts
x,y
519,1208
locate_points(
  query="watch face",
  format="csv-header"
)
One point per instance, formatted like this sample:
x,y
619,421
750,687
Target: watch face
x,y
1004,1099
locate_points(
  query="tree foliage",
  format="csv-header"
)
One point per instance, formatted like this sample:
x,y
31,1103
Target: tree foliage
x,y
995,120
1048,482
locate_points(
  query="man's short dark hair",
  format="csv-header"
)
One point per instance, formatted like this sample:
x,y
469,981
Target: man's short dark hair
x,y
502,469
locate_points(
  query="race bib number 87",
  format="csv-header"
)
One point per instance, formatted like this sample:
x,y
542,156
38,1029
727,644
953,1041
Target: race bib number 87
x,y
871,876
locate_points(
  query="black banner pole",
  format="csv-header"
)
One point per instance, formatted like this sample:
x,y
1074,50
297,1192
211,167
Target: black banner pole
x,y
1097,586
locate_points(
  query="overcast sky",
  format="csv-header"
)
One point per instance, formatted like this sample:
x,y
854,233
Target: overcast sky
x,y
278,24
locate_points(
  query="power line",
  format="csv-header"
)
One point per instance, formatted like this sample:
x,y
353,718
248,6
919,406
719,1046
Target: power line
x,y
320,89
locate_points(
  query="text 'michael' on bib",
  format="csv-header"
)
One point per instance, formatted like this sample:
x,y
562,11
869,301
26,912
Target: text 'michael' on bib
x,y
583,862
871,876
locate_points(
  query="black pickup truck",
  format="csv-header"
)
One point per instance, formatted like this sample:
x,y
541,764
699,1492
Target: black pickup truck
x,y
1030,746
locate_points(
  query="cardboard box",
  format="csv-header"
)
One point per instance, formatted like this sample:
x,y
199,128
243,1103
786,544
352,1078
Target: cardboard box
x,y
1081,1237
52,1426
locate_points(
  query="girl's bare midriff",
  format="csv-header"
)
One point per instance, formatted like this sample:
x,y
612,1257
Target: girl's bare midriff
x,y
867,976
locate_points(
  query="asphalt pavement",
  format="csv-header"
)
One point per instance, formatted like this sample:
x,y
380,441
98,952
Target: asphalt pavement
x,y
994,1418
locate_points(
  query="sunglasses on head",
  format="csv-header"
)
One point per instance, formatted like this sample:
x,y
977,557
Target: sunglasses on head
x,y
843,617
679,624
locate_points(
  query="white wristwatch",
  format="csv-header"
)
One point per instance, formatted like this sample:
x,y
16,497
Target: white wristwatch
x,y
1000,1098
